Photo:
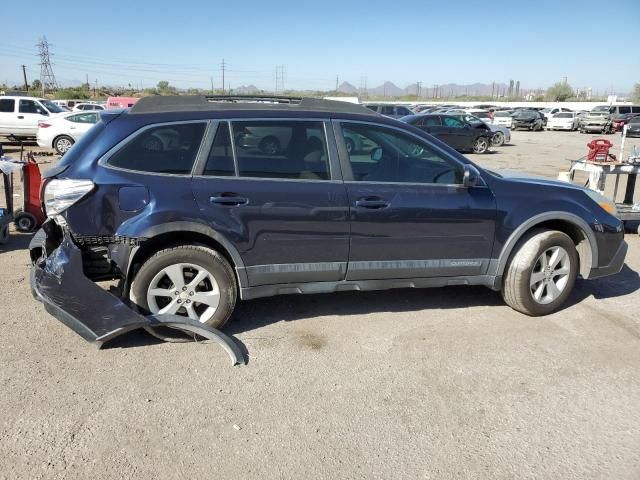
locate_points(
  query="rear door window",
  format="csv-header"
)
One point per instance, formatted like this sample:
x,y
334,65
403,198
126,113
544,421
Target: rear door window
x,y
635,109
7,105
281,149
169,149
624,110
432,122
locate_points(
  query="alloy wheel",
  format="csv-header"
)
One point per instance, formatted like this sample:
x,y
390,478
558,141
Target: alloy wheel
x,y
550,275
184,289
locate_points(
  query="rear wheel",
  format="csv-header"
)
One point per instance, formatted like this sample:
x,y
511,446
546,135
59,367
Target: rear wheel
x,y
541,273
186,280
480,145
62,144
269,145
25,222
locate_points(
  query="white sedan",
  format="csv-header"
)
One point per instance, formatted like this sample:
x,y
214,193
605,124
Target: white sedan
x,y
563,121
63,131
503,118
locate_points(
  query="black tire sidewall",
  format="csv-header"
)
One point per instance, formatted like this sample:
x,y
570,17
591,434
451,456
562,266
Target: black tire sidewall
x,y
555,239
62,137
204,257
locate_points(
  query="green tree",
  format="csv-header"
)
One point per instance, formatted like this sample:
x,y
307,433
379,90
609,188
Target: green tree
x,y
36,85
559,92
72,93
636,93
165,89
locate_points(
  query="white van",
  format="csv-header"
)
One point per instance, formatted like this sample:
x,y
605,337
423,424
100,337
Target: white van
x,y
19,116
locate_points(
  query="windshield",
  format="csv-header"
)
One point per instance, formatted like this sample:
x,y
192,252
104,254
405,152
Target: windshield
x,y
545,110
600,108
52,107
563,115
524,114
502,114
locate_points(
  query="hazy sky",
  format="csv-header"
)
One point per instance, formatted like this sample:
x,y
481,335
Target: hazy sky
x,y
593,43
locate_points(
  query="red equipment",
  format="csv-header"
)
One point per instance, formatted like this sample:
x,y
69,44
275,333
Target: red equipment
x,y
599,151
32,215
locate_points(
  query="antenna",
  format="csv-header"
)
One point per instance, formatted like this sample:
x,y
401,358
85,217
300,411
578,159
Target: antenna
x,y
47,78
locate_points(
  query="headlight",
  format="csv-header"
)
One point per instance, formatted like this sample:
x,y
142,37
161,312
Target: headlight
x,y
604,203
60,194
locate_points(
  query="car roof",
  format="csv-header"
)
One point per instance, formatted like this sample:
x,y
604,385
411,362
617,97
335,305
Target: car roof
x,y
201,103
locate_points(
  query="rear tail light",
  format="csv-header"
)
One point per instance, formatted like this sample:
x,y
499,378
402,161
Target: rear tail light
x,y
60,194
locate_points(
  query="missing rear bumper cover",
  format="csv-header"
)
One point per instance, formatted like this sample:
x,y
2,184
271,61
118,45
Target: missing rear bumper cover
x,y
58,281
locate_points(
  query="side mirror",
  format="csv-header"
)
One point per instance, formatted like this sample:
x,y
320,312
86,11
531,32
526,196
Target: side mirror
x,y
376,154
471,176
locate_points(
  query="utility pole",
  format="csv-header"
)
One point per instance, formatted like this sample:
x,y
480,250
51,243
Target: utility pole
x,y
418,88
24,73
223,66
95,89
47,78
493,89
279,79
211,85
336,83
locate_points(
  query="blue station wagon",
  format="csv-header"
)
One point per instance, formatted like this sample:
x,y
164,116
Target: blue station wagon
x,y
193,203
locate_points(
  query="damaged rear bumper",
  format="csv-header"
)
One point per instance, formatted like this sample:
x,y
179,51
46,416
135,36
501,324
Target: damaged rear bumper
x,y
58,281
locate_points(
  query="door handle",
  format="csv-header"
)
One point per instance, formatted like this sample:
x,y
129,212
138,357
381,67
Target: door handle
x,y
21,117
229,199
375,203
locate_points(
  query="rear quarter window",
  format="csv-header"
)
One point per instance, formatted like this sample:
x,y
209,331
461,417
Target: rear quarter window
x,y
169,149
7,105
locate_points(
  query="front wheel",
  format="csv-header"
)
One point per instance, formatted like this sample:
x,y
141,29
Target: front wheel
x,y
187,280
498,139
480,145
25,222
541,272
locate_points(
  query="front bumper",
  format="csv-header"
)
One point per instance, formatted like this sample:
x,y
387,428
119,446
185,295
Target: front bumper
x,y
58,281
614,266
594,128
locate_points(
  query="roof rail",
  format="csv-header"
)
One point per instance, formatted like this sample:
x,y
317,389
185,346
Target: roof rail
x,y
186,103
253,98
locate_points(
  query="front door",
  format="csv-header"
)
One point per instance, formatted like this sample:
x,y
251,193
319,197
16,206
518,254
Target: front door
x,y
410,215
30,112
272,193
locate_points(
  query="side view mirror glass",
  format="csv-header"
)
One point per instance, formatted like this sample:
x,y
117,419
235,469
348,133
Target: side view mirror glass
x,y
471,176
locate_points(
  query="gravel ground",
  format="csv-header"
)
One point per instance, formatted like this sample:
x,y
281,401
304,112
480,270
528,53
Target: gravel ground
x,y
405,384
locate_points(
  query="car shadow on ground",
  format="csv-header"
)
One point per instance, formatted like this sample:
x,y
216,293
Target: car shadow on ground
x,y
258,313
254,314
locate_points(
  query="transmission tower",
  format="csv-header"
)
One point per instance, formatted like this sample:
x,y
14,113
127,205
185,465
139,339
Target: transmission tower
x,y
47,78
279,79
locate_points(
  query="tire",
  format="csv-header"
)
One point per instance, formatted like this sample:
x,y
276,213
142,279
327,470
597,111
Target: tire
x,y
269,145
188,260
25,222
62,144
498,139
519,283
480,145
4,234
350,144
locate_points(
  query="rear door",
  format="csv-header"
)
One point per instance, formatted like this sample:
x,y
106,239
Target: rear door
x,y
80,123
275,192
410,216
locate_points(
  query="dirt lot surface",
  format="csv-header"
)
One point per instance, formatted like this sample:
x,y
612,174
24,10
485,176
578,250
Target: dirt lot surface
x,y
405,384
